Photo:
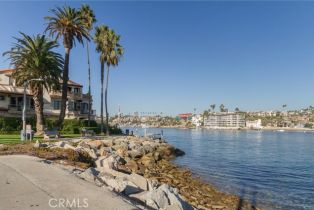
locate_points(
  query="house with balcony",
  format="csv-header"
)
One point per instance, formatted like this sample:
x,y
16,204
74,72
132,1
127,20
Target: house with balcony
x,y
11,100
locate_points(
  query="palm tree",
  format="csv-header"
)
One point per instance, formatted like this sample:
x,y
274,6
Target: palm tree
x,y
67,24
88,16
222,108
236,109
107,44
213,107
33,58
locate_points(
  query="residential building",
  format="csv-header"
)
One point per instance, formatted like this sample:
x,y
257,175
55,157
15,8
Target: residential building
x,y
254,124
11,100
185,116
224,120
197,120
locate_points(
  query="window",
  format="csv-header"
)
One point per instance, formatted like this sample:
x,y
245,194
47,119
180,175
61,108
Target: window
x,y
2,98
13,101
77,90
56,104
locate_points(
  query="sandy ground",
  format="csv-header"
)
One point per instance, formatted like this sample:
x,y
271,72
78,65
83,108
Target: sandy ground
x,y
28,183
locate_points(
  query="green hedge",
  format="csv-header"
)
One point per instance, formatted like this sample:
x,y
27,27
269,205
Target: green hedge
x,y
13,125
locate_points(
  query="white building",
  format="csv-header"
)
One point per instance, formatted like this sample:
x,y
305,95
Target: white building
x,y
196,120
11,100
224,120
254,124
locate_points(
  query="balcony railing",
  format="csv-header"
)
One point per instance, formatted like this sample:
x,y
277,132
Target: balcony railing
x,y
19,108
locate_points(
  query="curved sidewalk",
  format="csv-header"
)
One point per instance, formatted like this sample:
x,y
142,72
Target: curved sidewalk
x,y
27,183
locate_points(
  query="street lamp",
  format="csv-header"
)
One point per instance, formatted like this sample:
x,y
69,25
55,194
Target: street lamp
x,y
23,137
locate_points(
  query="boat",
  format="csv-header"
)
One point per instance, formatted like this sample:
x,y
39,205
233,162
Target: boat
x,y
281,130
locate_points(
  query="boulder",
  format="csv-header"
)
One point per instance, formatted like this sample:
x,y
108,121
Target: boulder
x,y
68,146
122,185
89,174
153,198
152,184
95,144
104,151
148,160
110,165
135,154
132,165
139,181
108,143
36,145
164,197
91,152
121,151
59,144
148,148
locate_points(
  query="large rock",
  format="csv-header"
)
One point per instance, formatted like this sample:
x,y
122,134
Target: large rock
x,y
139,181
148,160
163,197
122,185
36,145
59,144
104,151
68,146
110,164
132,165
91,152
89,174
135,154
95,144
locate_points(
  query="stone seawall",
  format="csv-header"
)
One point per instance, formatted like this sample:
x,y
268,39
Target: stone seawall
x,y
139,168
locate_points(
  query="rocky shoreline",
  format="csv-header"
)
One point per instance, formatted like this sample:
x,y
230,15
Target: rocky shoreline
x,y
136,167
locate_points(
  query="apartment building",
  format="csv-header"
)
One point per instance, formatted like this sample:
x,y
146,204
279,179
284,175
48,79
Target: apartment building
x,y
225,120
11,100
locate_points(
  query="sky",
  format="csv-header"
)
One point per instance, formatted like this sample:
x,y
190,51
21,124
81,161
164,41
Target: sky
x,y
185,55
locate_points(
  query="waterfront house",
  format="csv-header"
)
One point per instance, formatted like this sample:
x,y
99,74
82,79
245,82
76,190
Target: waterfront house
x,y
11,100
254,124
224,120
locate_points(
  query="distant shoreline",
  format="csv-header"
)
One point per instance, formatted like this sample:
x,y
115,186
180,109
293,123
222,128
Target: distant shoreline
x,y
277,129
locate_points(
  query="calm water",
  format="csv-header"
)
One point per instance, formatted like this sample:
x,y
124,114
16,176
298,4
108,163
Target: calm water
x,y
271,169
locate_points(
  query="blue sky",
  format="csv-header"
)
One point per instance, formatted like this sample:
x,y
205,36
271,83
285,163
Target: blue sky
x,y
185,55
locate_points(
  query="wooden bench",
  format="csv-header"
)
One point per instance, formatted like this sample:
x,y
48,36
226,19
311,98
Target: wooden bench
x,y
48,133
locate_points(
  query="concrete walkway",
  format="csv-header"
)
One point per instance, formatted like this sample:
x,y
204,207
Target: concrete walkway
x,y
27,183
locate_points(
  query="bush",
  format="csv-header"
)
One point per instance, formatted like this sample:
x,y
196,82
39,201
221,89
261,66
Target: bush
x,y
13,125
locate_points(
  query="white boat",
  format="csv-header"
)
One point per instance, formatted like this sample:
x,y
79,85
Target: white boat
x,y
280,130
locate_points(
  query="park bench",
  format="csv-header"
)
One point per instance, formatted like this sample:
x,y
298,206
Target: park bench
x,y
86,132
54,132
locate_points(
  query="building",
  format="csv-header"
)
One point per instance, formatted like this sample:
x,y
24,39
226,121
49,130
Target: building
x,y
185,116
224,120
197,120
11,100
254,124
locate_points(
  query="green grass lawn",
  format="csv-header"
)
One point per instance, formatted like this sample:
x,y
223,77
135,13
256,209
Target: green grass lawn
x,y
16,139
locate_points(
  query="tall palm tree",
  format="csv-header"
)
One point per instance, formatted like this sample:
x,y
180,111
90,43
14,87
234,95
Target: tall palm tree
x,y
213,107
67,24
111,51
222,108
33,58
88,16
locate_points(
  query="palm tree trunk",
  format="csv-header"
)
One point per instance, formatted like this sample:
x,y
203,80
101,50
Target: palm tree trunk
x,y
39,109
89,88
102,70
106,103
65,79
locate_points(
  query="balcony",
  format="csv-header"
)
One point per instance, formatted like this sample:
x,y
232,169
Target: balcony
x,y
17,109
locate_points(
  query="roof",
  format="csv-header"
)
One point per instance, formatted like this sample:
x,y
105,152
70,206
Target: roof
x,y
70,82
13,90
4,71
